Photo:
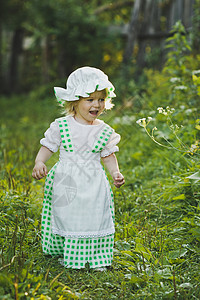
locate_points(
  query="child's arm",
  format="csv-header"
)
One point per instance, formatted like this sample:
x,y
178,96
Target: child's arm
x,y
40,169
111,164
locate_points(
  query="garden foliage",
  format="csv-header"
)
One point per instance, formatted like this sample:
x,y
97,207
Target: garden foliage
x,y
157,211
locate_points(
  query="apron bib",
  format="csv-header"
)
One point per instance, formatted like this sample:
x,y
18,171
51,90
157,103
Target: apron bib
x,y
79,189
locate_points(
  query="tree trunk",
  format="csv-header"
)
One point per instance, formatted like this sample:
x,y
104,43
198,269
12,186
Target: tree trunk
x,y
45,59
16,48
2,79
61,62
196,28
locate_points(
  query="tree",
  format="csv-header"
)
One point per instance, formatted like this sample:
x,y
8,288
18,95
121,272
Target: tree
x,y
45,40
13,28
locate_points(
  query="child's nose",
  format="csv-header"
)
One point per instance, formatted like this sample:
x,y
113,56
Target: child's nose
x,y
96,103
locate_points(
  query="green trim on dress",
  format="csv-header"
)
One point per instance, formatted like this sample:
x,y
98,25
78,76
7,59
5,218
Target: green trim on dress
x,y
76,252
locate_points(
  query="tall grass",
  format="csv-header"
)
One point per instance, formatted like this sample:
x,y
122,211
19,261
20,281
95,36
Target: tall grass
x,y
157,211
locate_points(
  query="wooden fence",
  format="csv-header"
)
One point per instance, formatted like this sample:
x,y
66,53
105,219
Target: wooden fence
x,y
151,22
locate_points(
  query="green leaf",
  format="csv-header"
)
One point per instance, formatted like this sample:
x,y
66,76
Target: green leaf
x,y
144,251
195,176
165,273
177,253
136,280
196,233
185,285
179,197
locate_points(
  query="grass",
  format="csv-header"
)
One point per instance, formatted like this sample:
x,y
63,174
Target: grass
x,y
157,224
156,252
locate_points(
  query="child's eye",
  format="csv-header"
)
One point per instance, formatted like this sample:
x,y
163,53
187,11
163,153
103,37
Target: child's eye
x,y
102,100
89,100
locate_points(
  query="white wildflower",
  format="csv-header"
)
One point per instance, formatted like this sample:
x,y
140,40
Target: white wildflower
x,y
141,122
181,87
176,126
193,147
175,79
149,119
170,110
188,111
196,72
160,110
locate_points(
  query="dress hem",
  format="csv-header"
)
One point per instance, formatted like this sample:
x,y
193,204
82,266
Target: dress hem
x,y
83,235
91,267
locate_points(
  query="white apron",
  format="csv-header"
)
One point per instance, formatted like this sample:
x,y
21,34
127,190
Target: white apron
x,y
81,194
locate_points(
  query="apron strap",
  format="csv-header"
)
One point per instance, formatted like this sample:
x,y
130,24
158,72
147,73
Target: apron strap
x,y
65,134
99,143
102,139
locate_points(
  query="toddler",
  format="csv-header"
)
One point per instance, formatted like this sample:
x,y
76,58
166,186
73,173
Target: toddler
x,y
78,208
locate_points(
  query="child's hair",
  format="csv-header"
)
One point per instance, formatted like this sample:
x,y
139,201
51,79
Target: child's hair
x,y
70,106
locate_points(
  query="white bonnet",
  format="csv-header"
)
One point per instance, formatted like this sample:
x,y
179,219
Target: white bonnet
x,y
83,82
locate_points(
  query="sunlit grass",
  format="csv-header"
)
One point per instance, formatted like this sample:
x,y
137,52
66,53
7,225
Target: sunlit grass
x,y
157,228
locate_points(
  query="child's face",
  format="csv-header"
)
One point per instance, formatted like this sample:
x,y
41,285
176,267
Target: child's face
x,y
88,109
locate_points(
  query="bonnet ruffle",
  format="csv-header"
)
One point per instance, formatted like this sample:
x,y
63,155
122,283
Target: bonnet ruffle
x,y
83,82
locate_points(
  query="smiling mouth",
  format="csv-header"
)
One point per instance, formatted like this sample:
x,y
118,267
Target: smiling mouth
x,y
94,112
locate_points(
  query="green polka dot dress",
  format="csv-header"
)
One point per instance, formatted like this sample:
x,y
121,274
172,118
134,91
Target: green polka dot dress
x,y
78,208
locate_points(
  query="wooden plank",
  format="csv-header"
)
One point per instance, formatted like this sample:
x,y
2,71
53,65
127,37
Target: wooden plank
x,y
132,31
188,12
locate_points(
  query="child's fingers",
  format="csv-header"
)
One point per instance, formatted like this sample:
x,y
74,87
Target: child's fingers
x,y
39,173
118,185
119,181
34,174
45,171
118,176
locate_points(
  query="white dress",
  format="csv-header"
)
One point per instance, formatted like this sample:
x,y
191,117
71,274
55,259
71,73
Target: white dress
x,y
78,211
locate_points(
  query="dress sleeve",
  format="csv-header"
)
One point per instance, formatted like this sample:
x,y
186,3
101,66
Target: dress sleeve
x,y
111,147
52,138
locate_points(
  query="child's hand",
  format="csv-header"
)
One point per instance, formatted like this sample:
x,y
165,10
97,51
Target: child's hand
x,y
118,179
40,170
